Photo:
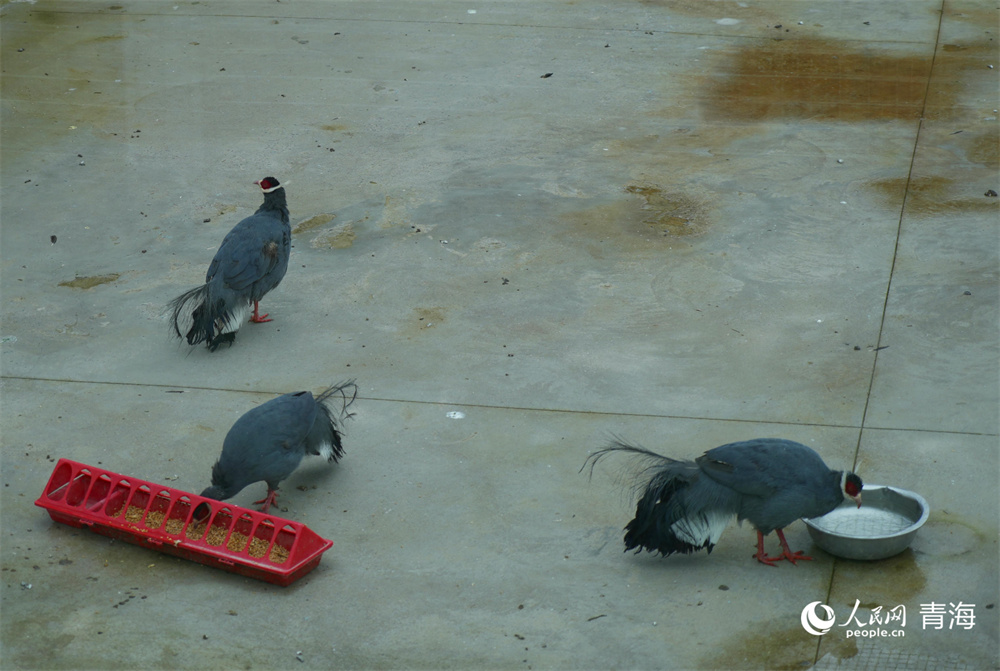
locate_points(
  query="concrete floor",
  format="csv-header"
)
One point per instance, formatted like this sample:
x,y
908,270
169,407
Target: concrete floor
x,y
714,221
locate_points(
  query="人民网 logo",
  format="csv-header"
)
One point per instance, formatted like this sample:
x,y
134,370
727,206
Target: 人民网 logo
x,y
813,622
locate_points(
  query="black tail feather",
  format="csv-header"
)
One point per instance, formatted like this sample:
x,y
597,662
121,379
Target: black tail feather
x,y
206,318
663,482
179,308
655,514
328,427
618,445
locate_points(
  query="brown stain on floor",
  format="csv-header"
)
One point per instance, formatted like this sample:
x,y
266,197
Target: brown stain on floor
x,y
649,217
313,222
767,645
423,319
90,281
934,195
886,582
226,209
340,237
838,645
105,38
670,214
57,59
432,314
962,68
983,148
821,80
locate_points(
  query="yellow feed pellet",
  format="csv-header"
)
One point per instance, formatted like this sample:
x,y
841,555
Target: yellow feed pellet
x,y
216,535
196,531
237,542
154,519
279,555
258,547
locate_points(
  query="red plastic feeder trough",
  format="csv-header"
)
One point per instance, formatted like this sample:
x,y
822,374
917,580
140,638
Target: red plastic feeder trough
x,y
232,538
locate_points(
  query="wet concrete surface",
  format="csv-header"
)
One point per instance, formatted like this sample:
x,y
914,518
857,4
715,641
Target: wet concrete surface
x,y
711,221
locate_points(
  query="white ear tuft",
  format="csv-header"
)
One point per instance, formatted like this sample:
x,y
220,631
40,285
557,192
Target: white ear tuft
x,y
843,486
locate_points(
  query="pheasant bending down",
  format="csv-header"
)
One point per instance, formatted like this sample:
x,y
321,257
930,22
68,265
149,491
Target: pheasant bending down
x,y
268,442
771,482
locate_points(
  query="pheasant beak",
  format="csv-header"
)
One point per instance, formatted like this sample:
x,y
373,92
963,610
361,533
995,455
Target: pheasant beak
x,y
201,513
857,499
257,182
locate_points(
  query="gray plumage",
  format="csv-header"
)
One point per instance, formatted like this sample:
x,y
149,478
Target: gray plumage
x,y
770,482
250,262
268,443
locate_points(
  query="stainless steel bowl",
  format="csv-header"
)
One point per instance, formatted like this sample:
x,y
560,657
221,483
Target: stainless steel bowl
x,y
883,526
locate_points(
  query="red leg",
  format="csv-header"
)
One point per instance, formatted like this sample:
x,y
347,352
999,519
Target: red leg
x,y
272,497
258,318
761,556
786,552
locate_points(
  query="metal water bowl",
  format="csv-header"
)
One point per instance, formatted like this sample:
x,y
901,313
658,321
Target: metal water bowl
x,y
883,526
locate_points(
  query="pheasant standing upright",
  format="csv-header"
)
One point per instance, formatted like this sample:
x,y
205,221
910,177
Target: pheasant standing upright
x,y
251,260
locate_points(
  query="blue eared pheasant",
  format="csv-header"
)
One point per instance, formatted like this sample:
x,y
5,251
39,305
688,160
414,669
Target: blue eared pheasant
x,y
268,443
251,260
770,482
